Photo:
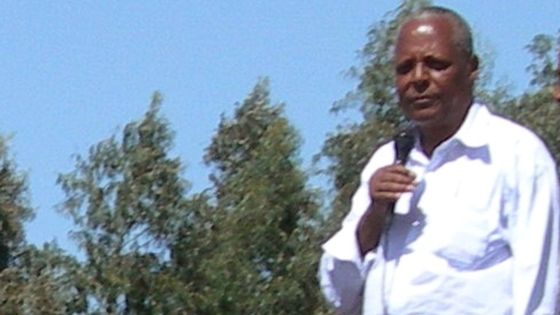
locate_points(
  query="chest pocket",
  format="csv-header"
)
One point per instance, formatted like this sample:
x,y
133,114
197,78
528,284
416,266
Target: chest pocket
x,y
462,219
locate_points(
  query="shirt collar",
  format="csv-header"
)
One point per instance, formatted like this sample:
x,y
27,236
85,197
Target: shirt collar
x,y
474,129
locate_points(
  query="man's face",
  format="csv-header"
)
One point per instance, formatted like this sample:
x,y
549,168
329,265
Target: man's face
x,y
434,78
556,88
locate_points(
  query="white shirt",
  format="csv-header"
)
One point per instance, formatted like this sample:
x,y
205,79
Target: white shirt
x,y
478,235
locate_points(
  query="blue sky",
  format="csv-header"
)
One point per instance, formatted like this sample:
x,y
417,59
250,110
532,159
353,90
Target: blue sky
x,y
73,72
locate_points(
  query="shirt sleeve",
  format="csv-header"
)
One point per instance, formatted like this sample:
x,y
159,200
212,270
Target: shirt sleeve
x,y
342,269
342,285
534,240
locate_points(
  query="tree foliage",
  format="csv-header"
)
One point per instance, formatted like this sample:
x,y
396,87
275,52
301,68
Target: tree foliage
x,y
265,233
32,281
127,200
41,281
14,207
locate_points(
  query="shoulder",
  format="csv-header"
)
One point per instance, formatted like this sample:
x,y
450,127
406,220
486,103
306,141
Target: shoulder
x,y
511,141
502,132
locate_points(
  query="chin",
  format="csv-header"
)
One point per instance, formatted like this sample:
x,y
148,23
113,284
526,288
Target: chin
x,y
424,117
426,121
422,111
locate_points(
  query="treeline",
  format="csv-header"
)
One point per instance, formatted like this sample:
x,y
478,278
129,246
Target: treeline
x,y
249,244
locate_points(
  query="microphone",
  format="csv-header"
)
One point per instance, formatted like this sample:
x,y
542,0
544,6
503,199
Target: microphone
x,y
404,142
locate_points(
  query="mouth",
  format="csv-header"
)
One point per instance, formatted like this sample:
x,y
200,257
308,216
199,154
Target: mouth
x,y
422,101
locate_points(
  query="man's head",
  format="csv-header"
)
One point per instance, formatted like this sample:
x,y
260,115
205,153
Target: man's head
x,y
556,88
435,69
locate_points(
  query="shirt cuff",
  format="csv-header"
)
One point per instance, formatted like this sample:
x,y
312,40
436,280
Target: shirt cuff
x,y
344,246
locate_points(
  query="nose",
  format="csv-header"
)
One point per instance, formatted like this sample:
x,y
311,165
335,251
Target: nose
x,y
420,78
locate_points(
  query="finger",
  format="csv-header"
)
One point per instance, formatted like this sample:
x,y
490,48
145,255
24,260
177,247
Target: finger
x,y
387,196
395,170
397,178
392,187
399,169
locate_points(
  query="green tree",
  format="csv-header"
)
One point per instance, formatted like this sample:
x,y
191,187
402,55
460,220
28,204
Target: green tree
x,y
41,281
15,209
265,230
536,108
190,252
127,201
32,281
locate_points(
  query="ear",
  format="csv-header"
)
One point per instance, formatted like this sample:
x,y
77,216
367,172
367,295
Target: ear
x,y
474,65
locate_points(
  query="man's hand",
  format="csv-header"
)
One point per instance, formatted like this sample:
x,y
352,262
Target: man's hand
x,y
386,185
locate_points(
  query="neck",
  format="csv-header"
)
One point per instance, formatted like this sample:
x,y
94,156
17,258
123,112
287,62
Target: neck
x,y
432,136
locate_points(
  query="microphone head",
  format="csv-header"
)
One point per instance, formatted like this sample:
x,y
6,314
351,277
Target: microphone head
x,y
404,142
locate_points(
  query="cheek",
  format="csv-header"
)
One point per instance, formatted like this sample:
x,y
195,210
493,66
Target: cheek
x,y
451,86
400,85
444,81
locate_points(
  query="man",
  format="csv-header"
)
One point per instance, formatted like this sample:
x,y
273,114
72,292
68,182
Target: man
x,y
475,226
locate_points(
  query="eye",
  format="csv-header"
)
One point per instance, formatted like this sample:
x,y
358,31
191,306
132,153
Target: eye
x,y
404,67
437,64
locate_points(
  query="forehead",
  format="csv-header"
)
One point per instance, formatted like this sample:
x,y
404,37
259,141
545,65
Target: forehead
x,y
426,34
